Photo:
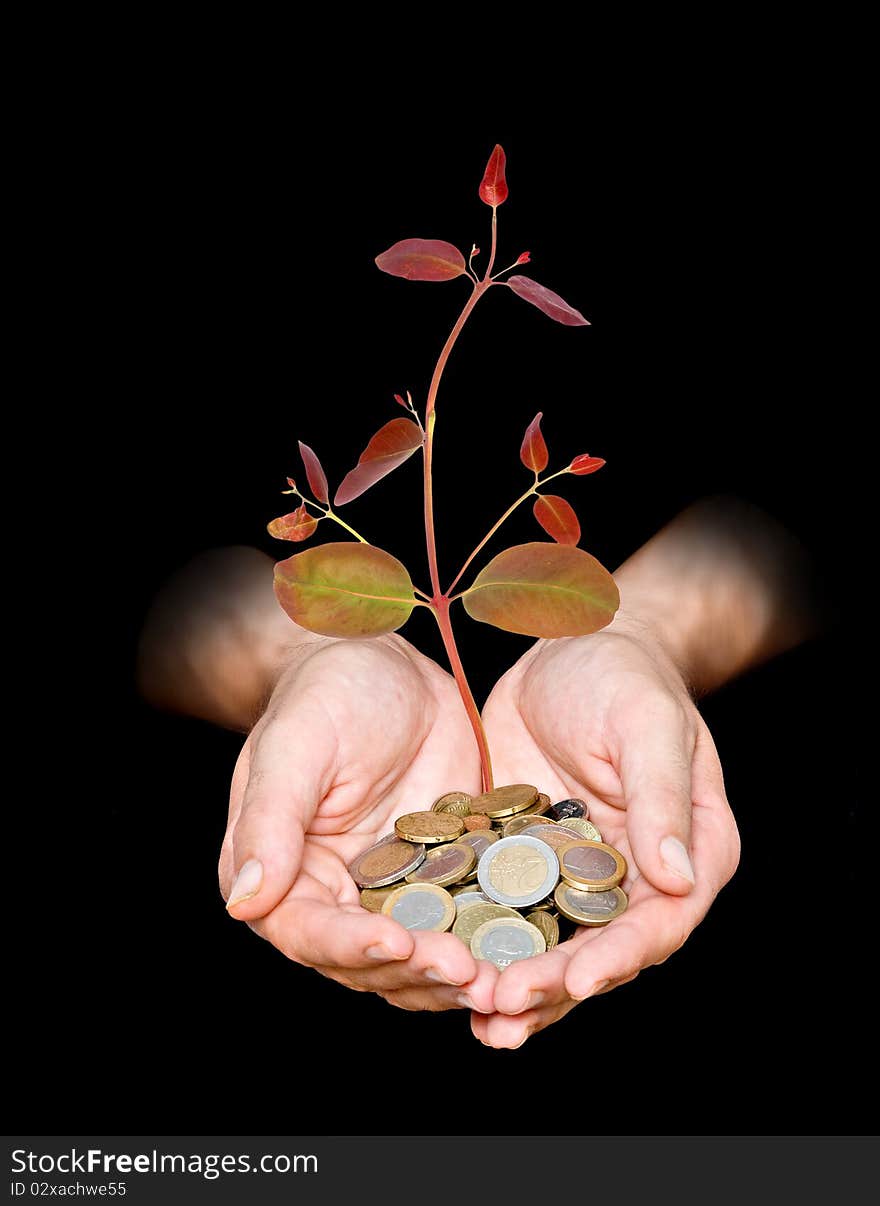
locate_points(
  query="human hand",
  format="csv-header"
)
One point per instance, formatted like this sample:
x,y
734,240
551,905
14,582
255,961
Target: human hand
x,y
355,733
608,718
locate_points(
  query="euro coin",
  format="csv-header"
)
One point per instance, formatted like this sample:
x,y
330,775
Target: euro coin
x,y
555,834
547,924
456,802
540,806
386,862
446,864
471,918
429,827
517,824
518,871
479,842
585,828
590,908
592,866
465,896
372,899
477,820
564,809
421,907
505,801
506,940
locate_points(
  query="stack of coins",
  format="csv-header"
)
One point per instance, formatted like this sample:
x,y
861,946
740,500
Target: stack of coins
x,y
505,871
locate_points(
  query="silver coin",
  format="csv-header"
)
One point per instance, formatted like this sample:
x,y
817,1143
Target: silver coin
x,y
479,840
503,941
389,860
465,897
518,871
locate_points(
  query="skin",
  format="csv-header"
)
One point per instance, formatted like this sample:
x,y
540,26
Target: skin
x,y
346,735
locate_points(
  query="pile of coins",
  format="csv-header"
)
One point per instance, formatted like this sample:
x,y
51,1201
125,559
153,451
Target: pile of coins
x,y
503,870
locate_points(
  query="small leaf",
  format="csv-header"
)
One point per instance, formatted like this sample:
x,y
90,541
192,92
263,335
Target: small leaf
x,y
585,464
422,260
556,516
298,525
548,301
345,590
389,447
400,401
543,590
493,186
533,453
316,475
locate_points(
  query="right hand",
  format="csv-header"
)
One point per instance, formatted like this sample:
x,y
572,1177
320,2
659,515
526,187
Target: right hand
x,y
355,734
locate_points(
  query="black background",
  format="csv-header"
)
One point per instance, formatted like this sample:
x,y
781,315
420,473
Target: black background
x,y
240,310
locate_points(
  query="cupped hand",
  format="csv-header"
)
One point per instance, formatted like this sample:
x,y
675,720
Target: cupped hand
x,y
355,733
608,718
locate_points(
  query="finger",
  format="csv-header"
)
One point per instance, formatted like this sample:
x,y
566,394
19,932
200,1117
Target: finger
x,y
477,995
530,983
656,746
291,766
715,814
320,934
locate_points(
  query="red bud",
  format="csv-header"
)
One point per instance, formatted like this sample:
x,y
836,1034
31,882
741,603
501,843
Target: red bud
x,y
493,187
585,464
400,401
525,258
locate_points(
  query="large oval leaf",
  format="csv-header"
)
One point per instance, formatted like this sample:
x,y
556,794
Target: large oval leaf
x,y
543,590
314,472
345,590
389,447
493,186
548,301
558,519
422,260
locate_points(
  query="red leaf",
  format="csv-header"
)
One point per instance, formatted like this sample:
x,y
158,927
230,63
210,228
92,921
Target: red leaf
x,y
556,516
585,464
548,301
389,447
400,401
493,186
316,475
298,525
422,260
534,454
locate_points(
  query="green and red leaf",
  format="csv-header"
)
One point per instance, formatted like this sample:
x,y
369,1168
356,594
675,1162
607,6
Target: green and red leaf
x,y
422,260
533,453
345,590
543,590
584,464
556,516
314,472
298,525
390,446
493,186
548,301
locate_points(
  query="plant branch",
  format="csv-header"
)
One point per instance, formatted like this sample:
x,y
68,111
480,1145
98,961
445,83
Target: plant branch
x,y
441,611
494,243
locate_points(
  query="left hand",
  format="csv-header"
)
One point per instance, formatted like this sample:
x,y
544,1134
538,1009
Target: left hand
x,y
608,718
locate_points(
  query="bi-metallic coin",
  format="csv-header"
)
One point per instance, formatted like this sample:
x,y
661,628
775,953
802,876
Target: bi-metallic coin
x,y
518,871
590,908
585,828
554,833
464,896
593,866
421,907
386,862
479,842
547,924
446,864
471,918
506,940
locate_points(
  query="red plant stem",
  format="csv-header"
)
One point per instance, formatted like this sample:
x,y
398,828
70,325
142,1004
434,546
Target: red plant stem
x,y
494,242
439,602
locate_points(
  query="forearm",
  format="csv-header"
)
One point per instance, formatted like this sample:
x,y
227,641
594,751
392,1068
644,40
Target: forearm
x,y
723,587
215,640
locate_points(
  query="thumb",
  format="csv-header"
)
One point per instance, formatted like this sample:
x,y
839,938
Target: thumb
x,y
655,772
290,766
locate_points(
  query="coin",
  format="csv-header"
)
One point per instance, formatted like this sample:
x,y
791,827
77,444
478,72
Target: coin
x,y
505,801
421,907
472,917
505,940
590,908
465,896
547,924
386,862
429,827
456,802
518,871
479,842
569,808
477,820
517,824
555,834
584,827
446,864
372,899
592,866
540,806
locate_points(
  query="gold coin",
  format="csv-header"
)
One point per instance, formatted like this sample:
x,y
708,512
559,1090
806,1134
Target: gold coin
x,y
471,918
590,908
540,806
446,864
593,866
517,824
456,802
506,940
421,907
547,924
428,827
584,827
372,899
505,801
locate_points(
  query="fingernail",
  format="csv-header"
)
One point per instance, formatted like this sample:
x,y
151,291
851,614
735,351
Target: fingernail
x,y
431,973
675,858
464,1001
521,1041
530,1002
247,882
380,952
592,991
